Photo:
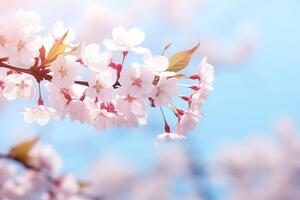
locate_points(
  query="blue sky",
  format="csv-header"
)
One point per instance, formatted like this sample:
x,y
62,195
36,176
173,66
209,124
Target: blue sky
x,y
247,98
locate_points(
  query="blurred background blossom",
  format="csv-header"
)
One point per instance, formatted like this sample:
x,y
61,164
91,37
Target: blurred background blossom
x,y
254,46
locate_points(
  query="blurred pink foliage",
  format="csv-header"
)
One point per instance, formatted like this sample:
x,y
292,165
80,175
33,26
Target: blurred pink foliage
x,y
261,168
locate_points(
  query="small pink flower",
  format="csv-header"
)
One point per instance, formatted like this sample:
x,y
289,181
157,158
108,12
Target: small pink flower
x,y
136,81
44,157
65,71
164,91
41,114
101,86
168,137
18,86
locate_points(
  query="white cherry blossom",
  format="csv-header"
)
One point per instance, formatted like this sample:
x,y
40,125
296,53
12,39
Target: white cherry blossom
x,y
41,114
65,71
18,86
158,64
21,41
124,40
91,56
101,85
168,137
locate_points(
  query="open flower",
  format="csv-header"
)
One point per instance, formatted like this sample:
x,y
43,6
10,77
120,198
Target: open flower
x,y
136,80
158,64
101,119
164,91
132,111
187,122
18,86
91,56
21,40
41,114
65,71
168,137
124,40
100,86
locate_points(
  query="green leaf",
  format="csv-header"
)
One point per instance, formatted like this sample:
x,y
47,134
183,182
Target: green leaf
x,y
180,60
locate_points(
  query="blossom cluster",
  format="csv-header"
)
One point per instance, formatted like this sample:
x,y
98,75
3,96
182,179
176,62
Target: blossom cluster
x,y
30,171
114,93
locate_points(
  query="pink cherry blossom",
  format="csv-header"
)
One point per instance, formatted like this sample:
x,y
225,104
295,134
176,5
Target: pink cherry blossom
x,y
187,122
96,87
59,99
21,41
78,111
41,114
65,188
164,91
101,119
136,81
43,156
18,86
101,86
7,170
206,72
65,71
132,111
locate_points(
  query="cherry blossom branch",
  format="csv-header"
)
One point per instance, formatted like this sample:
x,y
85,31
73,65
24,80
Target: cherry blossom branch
x,y
32,72
114,95
18,69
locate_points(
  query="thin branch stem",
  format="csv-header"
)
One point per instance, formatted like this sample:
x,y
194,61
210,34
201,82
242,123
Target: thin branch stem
x,y
18,69
31,72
